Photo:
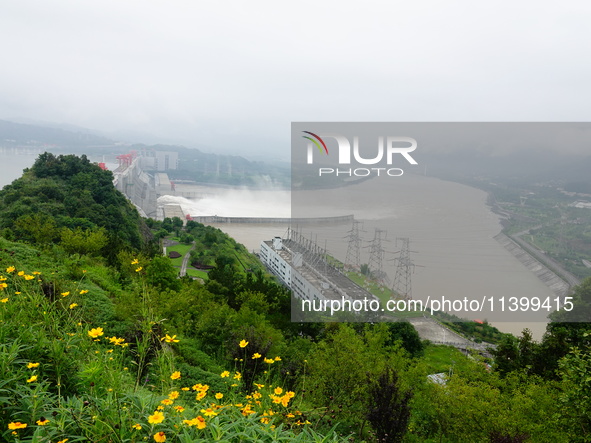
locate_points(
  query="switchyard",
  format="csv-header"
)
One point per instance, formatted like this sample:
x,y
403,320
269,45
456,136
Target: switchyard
x,y
303,267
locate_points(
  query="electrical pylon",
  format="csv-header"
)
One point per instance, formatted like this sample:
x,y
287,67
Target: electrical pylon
x,y
376,257
404,268
353,256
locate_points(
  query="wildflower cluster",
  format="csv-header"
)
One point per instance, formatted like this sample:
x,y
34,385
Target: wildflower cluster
x,y
97,359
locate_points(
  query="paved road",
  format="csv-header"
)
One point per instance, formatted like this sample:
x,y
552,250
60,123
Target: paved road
x,y
183,270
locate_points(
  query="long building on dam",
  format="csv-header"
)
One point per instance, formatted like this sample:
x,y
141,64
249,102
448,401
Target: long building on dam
x,y
301,265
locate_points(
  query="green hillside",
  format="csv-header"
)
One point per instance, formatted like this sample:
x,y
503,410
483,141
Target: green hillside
x,y
101,341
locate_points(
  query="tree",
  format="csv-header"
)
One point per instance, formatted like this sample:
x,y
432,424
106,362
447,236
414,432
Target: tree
x,y
408,336
162,274
388,409
575,370
87,241
36,228
581,311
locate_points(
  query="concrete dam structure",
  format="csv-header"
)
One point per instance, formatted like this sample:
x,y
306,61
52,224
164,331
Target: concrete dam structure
x,y
144,189
137,186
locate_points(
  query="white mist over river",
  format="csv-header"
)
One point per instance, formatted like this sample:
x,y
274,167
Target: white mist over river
x,y
234,203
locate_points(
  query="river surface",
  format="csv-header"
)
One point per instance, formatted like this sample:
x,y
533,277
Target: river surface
x,y
449,225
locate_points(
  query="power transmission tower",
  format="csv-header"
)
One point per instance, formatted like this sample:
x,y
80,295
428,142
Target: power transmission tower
x,y
404,268
353,256
376,257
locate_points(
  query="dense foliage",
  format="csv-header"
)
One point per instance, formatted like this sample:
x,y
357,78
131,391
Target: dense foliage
x,y
68,199
98,346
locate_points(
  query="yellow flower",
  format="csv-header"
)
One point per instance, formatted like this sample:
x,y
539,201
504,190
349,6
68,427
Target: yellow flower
x,y
17,425
185,388
225,374
36,273
65,294
265,420
116,341
84,291
197,421
179,408
175,375
277,358
247,410
200,387
32,365
32,379
219,396
269,360
256,355
42,421
21,273
139,269
3,286
173,395
169,339
137,426
167,401
10,269
160,437
4,300
237,376
135,262
209,412
95,332
278,390
73,305
157,417
243,343
200,395
63,441
29,277
200,422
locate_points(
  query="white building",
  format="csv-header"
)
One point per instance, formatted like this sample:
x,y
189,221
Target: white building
x,y
166,160
284,258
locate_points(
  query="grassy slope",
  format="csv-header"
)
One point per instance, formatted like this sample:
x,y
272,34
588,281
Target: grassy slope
x,y
86,387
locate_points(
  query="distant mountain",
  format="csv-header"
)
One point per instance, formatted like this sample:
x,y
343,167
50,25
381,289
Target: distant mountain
x,y
24,134
527,166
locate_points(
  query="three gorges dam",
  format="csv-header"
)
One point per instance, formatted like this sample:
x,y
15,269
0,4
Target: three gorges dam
x,y
139,176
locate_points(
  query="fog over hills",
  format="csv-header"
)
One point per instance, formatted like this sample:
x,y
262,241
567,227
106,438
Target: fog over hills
x,y
463,161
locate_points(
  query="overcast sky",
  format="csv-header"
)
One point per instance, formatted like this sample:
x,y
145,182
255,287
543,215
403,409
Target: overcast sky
x,y
230,76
